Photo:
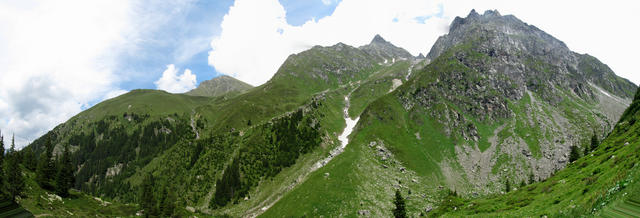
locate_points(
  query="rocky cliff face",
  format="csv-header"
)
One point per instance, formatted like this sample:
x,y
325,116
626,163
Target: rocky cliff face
x,y
512,98
530,56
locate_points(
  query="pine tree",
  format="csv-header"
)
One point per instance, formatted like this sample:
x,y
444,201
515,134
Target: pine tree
x,y
399,211
594,142
532,178
168,204
2,175
29,159
46,167
228,186
574,155
507,187
147,200
64,177
15,180
587,149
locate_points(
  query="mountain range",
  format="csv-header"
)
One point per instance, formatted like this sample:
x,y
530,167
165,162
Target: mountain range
x,y
338,130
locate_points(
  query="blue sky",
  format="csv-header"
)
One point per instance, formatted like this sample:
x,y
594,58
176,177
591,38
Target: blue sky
x,y
58,58
203,18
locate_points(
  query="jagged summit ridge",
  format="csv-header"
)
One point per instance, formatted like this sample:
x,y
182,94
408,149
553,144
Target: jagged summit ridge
x,y
385,50
517,42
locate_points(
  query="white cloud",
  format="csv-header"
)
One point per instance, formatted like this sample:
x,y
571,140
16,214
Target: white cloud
x,y
56,57
256,39
255,32
113,93
174,83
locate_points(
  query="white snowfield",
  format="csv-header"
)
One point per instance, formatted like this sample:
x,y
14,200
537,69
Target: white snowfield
x,y
343,137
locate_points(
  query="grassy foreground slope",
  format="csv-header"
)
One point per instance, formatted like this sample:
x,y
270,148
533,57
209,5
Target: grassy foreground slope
x,y
603,183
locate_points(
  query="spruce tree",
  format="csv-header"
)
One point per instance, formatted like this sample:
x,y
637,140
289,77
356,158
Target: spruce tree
x,y
147,199
400,210
29,159
64,177
507,187
46,167
15,180
228,186
2,174
594,142
574,155
168,203
532,178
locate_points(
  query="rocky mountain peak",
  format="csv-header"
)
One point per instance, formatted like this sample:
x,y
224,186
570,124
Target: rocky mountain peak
x,y
378,39
219,86
491,13
384,49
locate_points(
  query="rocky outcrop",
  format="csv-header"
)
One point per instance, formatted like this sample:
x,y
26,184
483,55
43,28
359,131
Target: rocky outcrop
x,y
220,86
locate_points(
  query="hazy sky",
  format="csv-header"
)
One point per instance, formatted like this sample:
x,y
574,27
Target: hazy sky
x,y
58,58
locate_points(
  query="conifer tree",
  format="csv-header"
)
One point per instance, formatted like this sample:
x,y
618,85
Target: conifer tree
x,y
2,174
400,210
507,187
29,159
168,203
532,178
228,186
46,167
64,177
594,142
147,199
574,155
15,180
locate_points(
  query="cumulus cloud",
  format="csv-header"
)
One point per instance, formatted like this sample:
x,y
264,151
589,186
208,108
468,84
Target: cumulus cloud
x,y
58,58
174,83
256,32
55,59
256,39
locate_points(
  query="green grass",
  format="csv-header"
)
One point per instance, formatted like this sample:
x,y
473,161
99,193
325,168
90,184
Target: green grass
x,y
9,208
605,184
39,202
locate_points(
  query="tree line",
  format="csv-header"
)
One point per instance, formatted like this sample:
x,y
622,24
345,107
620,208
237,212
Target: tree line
x,y
51,174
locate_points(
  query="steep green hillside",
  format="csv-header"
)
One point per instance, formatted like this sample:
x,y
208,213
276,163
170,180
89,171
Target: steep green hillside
x,y
269,134
603,183
483,112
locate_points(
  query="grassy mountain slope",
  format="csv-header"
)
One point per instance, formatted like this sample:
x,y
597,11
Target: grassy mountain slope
x,y
603,183
480,114
490,107
189,142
